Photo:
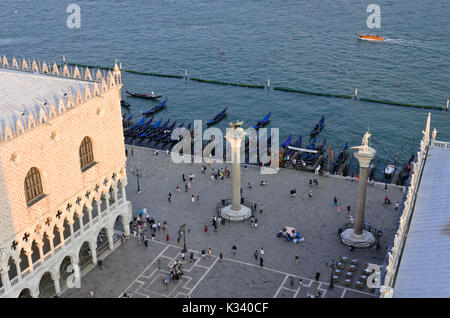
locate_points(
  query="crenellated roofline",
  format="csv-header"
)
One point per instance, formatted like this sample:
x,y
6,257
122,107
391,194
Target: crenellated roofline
x,y
101,83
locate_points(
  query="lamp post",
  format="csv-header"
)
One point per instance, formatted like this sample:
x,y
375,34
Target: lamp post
x,y
184,238
137,175
332,265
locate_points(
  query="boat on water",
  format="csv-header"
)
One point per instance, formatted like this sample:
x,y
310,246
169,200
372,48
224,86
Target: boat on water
x,y
124,104
156,108
370,37
287,142
218,117
146,96
263,122
389,171
318,127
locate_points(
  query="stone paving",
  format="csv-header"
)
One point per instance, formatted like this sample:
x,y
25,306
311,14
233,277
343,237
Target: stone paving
x,y
133,268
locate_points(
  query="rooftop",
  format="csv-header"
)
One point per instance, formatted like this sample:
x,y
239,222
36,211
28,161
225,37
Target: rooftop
x,y
425,265
25,92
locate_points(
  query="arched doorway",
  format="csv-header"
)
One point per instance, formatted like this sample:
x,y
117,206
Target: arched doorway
x,y
46,286
85,255
95,211
65,271
25,293
118,229
102,241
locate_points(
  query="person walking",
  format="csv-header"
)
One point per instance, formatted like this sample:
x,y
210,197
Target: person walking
x,y
234,248
261,261
300,284
310,194
167,237
193,199
296,260
169,197
256,254
185,187
397,206
209,251
205,229
198,198
341,208
317,276
91,294
348,208
261,252
189,185
182,256
146,241
335,202
261,208
159,263
184,178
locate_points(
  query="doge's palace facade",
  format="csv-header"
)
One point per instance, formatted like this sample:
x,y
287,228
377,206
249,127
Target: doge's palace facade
x,y
63,205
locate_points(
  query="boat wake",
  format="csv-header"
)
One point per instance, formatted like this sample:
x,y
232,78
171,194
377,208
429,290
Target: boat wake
x,y
419,44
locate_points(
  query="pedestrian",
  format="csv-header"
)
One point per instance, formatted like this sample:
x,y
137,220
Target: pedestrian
x,y
261,252
159,263
189,185
91,294
335,201
256,254
340,207
205,229
348,208
256,222
252,221
193,199
254,206
167,237
317,276
184,178
169,197
215,228
146,241
221,256
182,256
132,151
261,208
203,254
126,153
310,194
300,284
178,188
261,261
209,251
296,259
122,240
159,226
397,206
192,257
234,248
198,198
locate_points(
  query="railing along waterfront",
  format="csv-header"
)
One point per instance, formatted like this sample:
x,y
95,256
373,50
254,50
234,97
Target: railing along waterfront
x,y
389,274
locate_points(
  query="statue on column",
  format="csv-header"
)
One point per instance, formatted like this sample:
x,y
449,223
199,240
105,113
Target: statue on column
x,y
365,140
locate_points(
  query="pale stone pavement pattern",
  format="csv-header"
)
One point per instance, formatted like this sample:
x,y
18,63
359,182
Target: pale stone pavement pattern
x,y
133,268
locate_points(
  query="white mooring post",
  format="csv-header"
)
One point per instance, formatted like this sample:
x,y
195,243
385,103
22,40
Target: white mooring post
x,y
356,93
447,105
185,74
268,84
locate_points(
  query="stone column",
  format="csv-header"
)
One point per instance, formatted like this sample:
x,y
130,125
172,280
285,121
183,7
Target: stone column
x,y
358,237
90,214
5,278
361,203
236,175
94,254
57,286
235,211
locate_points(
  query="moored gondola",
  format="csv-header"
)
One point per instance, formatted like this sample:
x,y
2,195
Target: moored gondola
x,y
263,122
155,109
124,104
146,96
318,127
218,117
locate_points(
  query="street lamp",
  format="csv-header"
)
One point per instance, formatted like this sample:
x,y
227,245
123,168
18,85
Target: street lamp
x,y
332,266
184,238
137,175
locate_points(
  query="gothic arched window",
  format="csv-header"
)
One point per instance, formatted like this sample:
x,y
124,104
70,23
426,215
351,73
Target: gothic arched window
x,y
33,186
86,154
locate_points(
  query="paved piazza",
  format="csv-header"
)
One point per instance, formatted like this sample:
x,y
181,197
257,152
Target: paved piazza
x,y
133,268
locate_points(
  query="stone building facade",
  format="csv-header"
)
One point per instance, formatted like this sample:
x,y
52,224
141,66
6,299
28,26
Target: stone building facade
x,y
62,174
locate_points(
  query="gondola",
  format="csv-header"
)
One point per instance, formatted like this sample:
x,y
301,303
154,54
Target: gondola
x,y
155,109
340,160
287,142
218,117
124,104
318,127
407,170
263,122
146,96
